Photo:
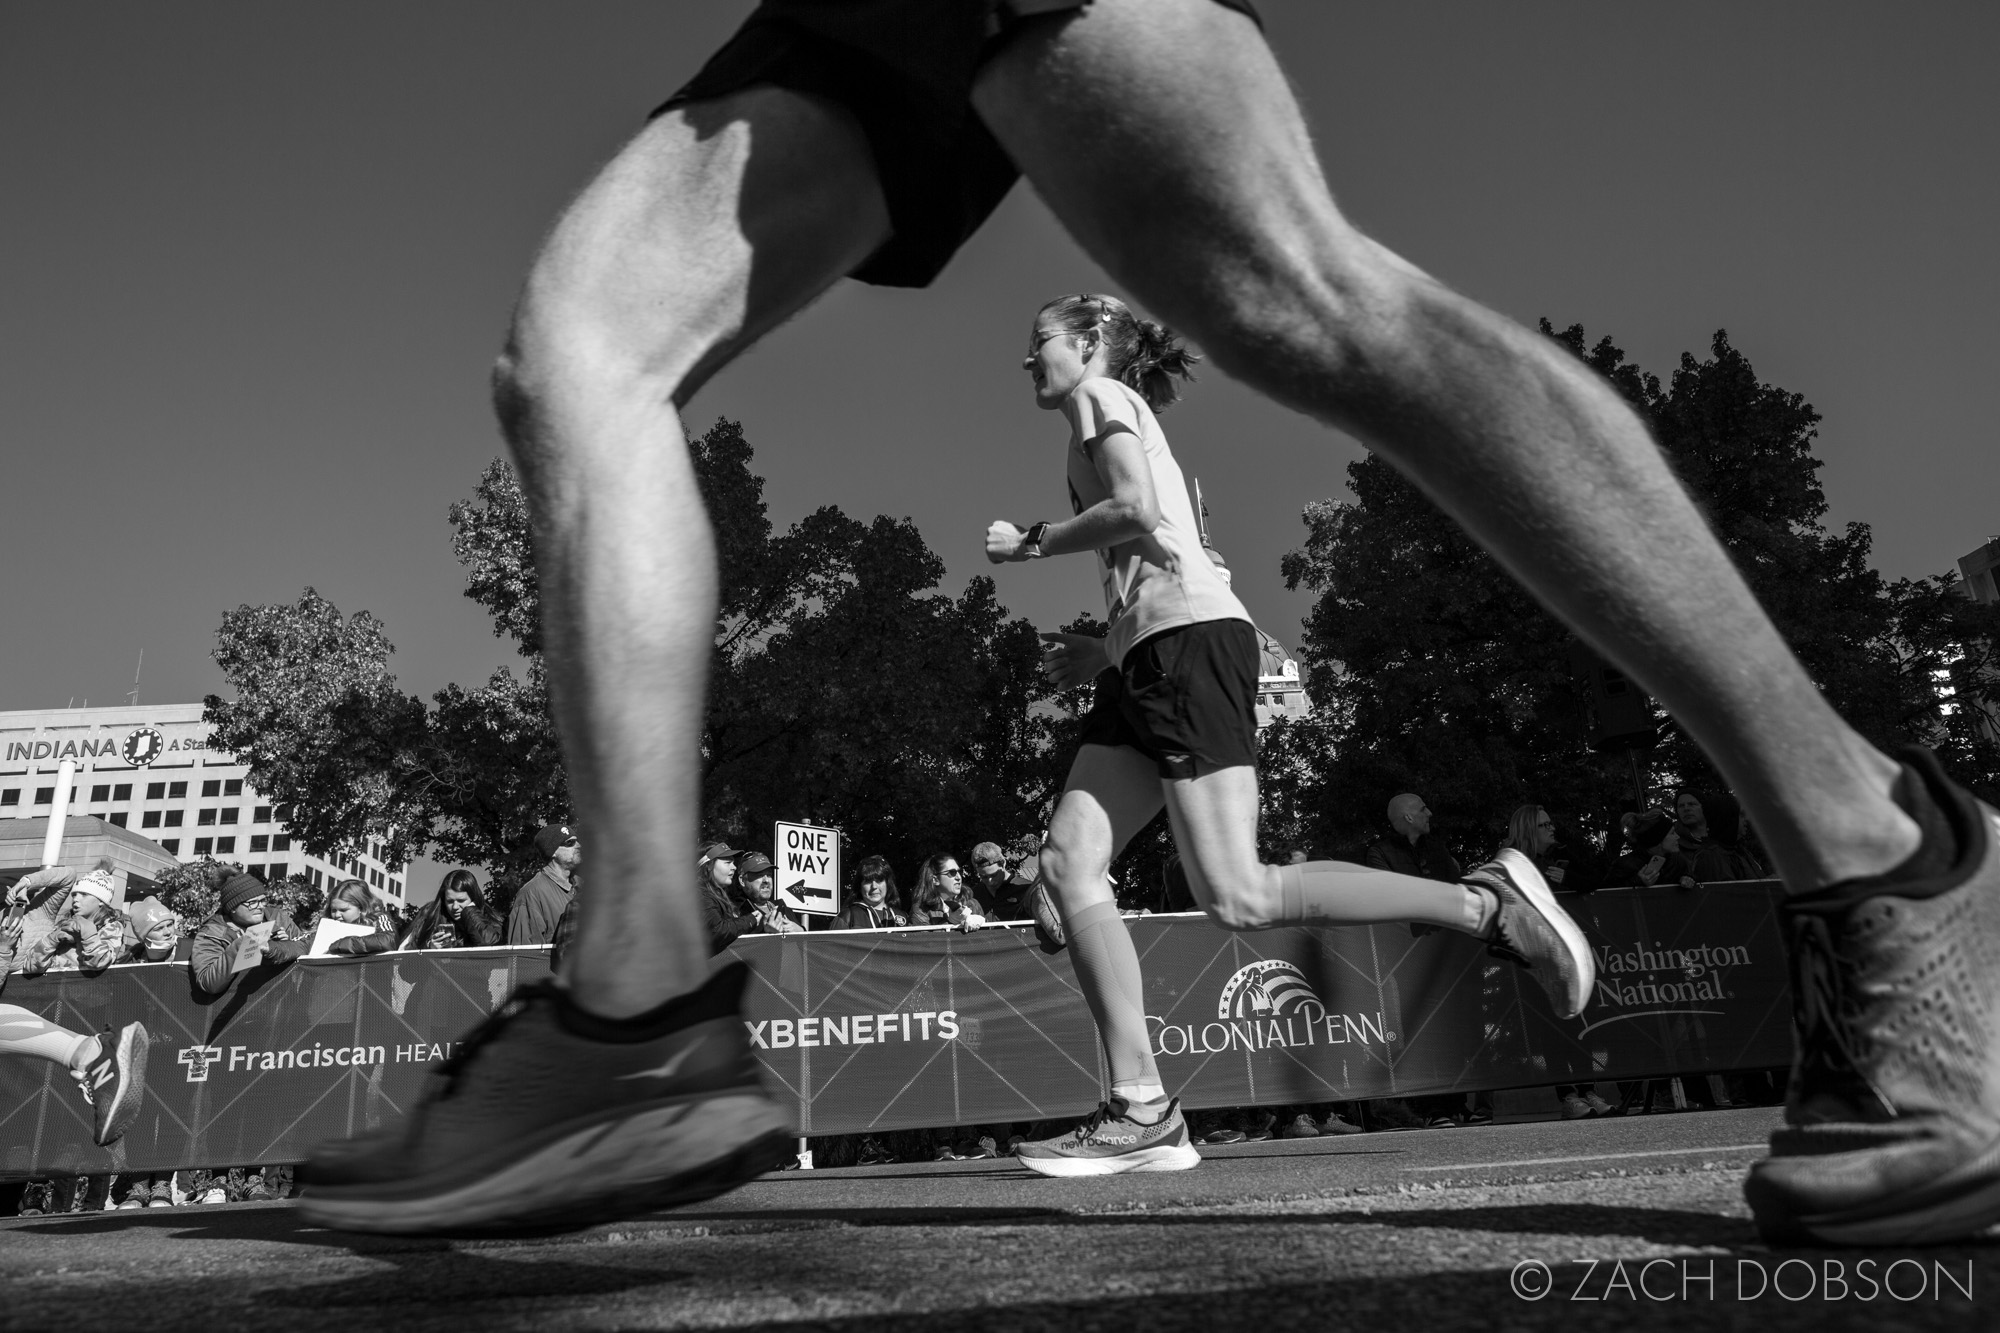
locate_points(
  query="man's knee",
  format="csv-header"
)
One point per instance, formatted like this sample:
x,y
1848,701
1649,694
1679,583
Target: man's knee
x,y
1240,902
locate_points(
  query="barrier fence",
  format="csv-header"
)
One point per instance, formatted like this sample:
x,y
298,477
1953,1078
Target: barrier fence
x,y
872,1031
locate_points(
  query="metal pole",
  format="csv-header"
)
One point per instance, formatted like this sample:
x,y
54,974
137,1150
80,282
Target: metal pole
x,y
59,813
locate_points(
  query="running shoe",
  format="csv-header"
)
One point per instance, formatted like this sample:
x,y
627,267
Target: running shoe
x,y
1222,1136
548,1119
1531,930
115,1082
1892,1120
1576,1108
1301,1127
1598,1106
1336,1124
1110,1142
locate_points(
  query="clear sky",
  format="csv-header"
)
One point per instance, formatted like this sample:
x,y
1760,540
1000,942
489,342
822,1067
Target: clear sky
x,y
255,260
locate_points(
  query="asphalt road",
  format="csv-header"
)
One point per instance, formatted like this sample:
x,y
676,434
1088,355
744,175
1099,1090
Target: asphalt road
x,y
1640,1222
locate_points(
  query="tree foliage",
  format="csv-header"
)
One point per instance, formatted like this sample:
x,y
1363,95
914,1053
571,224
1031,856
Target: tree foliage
x,y
845,691
1431,670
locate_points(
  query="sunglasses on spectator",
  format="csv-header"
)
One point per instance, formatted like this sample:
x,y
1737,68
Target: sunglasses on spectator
x,y
954,872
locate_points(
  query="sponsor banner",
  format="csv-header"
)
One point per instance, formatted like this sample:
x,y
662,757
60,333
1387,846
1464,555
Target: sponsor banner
x,y
867,1031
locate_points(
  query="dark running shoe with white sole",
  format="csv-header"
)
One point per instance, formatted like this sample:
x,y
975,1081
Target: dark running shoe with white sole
x,y
1531,930
548,1119
115,1082
1892,1119
1110,1142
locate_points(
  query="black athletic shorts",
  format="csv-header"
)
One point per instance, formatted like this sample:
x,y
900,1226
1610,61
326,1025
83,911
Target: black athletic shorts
x,y
905,69
1186,698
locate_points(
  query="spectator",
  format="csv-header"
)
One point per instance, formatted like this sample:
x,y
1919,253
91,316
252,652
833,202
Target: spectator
x,y
539,906
1710,833
874,905
999,896
1568,867
458,918
1655,857
726,916
75,927
244,931
1410,848
941,897
353,903
757,880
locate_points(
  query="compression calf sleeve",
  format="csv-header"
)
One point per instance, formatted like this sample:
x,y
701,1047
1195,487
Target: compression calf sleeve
x,y
1107,965
23,1032
1339,893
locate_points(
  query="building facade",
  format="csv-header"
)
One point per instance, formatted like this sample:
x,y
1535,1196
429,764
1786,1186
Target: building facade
x,y
149,769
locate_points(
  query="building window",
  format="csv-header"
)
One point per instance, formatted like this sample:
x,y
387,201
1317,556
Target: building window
x,y
278,869
396,887
233,787
260,843
151,819
375,878
176,790
156,791
174,818
44,795
204,818
225,846
258,870
172,846
212,787
122,792
261,815
101,792
281,842
203,846
229,815
12,796
119,819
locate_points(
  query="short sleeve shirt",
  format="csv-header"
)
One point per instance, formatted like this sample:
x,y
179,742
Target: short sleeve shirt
x,y
1164,579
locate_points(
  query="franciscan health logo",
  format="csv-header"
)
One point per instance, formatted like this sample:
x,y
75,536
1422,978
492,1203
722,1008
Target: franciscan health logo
x,y
199,1060
1268,1004
1642,982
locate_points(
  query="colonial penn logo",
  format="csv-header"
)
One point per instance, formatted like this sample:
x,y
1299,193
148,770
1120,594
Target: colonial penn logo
x,y
1268,988
1264,1006
143,746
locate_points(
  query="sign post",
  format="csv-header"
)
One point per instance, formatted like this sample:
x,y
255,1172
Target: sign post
x,y
808,867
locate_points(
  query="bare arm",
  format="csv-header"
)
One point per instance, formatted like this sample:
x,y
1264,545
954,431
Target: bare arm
x,y
1131,510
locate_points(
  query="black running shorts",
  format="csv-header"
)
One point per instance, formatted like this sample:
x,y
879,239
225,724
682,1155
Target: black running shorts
x,y
905,69
1186,698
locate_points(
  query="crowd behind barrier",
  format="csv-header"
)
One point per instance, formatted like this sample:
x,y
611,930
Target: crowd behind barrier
x,y
882,1033
234,931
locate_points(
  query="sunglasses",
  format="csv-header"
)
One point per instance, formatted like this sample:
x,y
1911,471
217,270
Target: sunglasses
x,y
954,872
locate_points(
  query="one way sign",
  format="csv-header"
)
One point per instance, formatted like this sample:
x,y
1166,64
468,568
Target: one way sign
x,y
808,867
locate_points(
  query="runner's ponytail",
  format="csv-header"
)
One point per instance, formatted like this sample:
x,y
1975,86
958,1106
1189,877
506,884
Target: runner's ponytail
x,y
1144,356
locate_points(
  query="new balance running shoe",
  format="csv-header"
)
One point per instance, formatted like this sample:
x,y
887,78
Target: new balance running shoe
x,y
115,1082
1110,1142
547,1119
1531,930
1892,1133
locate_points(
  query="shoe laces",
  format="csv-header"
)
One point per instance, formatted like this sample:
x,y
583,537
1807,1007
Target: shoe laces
x,y
1093,1122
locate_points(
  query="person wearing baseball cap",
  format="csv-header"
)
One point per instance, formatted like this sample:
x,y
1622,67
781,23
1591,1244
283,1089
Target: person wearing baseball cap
x,y
717,876
757,880
540,904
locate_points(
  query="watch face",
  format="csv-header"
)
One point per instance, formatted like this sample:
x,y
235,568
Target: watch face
x,y
143,746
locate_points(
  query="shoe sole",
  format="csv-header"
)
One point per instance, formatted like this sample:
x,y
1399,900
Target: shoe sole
x,y
1536,890
1956,1206
1181,1157
130,1097
699,1149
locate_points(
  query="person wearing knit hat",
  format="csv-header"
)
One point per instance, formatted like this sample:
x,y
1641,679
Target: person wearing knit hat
x,y
539,906
79,927
246,930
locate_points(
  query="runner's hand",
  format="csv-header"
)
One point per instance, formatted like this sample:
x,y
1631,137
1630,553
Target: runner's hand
x,y
1069,660
1004,542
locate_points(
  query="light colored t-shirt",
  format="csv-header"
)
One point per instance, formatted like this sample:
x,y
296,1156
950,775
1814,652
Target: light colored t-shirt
x,y
1164,579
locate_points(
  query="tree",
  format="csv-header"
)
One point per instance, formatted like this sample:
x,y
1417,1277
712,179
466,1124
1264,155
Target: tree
x,y
843,692
1431,670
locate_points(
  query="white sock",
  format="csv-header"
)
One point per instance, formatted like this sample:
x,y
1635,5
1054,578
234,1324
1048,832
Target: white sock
x,y
1482,908
1141,1096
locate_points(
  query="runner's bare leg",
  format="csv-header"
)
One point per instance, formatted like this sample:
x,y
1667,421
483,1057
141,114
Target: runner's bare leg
x,y
1195,185
715,224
